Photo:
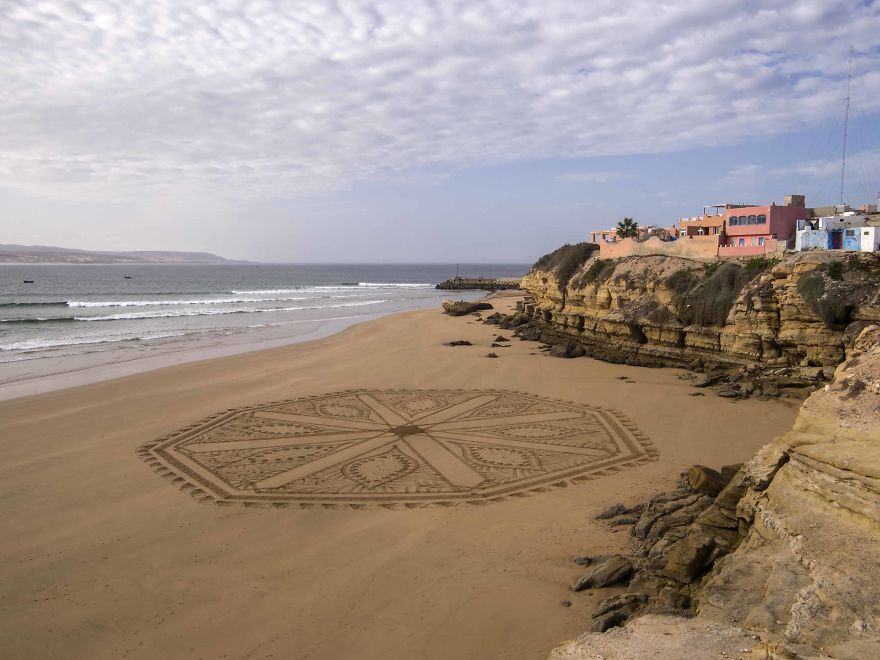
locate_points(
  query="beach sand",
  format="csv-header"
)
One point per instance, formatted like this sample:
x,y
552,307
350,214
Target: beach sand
x,y
103,558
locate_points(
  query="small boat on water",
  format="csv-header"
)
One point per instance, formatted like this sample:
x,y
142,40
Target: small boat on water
x,y
28,281
128,277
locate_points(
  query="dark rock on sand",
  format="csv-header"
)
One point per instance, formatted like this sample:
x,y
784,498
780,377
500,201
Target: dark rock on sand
x,y
459,342
567,351
612,512
589,560
612,570
706,480
462,307
615,610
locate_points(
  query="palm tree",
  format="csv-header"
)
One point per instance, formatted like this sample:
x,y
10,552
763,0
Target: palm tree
x,y
628,228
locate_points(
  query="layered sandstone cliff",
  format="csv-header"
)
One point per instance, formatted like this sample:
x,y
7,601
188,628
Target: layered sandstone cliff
x,y
800,313
800,526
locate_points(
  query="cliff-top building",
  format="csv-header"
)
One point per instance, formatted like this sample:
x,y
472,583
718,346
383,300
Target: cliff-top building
x,y
753,230
744,230
842,231
643,233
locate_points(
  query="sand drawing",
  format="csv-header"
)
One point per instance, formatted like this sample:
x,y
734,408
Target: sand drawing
x,y
396,448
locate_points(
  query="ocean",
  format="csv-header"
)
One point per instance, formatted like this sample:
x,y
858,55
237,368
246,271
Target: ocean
x,y
75,309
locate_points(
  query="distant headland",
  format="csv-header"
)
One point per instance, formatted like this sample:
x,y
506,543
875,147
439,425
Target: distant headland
x,y
36,254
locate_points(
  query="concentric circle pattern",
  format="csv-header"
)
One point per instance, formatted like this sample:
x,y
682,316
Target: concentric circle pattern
x,y
396,447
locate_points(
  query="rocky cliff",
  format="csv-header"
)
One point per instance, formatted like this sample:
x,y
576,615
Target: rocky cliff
x,y
797,315
777,561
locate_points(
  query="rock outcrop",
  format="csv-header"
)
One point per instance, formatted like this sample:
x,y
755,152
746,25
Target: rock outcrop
x,y
781,554
462,307
797,316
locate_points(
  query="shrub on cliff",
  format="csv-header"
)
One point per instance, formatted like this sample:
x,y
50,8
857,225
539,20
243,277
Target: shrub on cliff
x,y
835,270
708,301
599,271
681,281
830,302
565,261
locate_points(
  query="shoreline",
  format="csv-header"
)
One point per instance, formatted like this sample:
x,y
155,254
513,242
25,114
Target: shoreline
x,y
42,374
89,367
98,542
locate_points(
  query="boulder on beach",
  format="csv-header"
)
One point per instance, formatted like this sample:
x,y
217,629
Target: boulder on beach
x,y
462,307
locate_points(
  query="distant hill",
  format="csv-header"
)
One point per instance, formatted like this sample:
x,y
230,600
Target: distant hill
x,y
35,254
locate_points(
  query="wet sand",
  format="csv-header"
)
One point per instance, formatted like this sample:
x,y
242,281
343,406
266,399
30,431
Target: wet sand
x,y
103,558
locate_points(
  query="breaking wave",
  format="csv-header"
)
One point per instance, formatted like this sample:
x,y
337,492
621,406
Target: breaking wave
x,y
184,312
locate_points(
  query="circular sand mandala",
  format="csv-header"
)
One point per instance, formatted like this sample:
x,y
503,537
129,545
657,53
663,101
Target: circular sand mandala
x,y
393,447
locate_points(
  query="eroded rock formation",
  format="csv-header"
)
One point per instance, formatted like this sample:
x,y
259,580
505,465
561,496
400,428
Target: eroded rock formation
x,y
781,554
797,316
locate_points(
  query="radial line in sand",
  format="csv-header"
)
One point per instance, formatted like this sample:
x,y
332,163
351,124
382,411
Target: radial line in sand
x,y
268,443
453,469
328,461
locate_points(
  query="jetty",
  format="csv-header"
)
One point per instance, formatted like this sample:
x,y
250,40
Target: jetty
x,y
482,283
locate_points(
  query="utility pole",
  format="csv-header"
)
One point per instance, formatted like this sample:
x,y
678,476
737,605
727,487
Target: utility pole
x,y
846,123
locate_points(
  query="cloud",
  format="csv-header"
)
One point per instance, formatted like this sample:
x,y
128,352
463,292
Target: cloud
x,y
856,164
253,98
590,177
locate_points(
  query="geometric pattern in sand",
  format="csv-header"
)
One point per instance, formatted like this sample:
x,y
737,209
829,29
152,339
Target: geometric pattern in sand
x,y
396,448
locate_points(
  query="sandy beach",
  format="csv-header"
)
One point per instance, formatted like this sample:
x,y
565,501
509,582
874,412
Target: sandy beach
x,y
103,558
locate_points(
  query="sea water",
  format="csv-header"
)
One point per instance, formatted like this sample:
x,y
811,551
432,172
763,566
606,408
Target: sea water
x,y
72,309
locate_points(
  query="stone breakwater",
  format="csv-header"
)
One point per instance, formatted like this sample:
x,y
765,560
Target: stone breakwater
x,y
775,559
797,316
479,283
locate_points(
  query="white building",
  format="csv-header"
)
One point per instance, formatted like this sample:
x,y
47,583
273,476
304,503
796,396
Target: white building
x,y
843,231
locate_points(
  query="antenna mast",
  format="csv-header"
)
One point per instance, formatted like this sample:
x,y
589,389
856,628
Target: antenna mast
x,y
846,123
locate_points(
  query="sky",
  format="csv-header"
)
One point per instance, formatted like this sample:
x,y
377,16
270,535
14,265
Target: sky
x,y
420,130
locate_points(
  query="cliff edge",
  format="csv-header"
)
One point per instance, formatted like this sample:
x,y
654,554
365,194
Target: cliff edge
x,y
798,315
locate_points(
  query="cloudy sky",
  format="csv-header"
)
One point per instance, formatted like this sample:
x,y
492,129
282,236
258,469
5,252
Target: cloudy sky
x,y
419,130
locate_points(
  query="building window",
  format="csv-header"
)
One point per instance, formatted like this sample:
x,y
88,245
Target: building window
x,y
850,232
760,240
732,221
753,219
762,219
742,241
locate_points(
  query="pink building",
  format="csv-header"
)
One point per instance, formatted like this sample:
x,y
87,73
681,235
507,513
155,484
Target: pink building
x,y
751,230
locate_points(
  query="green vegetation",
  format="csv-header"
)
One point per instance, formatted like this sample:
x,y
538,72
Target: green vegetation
x,y
858,265
681,281
627,228
565,261
811,288
835,270
757,265
708,301
599,271
828,303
